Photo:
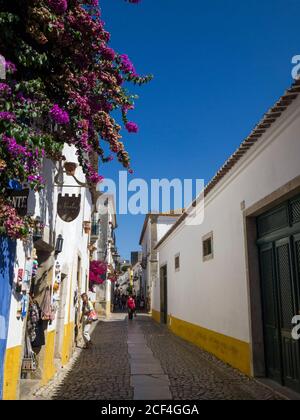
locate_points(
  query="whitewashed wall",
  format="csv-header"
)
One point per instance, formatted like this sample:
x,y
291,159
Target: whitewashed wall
x,y
75,242
146,247
163,224
40,204
213,294
75,239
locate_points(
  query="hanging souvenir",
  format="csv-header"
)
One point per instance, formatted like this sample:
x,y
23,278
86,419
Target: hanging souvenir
x,y
35,266
19,309
27,275
19,280
33,320
29,362
46,309
55,286
24,304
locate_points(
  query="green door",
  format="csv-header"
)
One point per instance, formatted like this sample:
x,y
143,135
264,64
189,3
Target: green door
x,y
287,310
279,250
296,241
270,313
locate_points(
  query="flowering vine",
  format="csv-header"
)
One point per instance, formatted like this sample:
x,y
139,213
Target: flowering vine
x,y
63,81
98,270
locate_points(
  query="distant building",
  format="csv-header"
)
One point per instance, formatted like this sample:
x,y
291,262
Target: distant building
x,y
136,257
103,239
156,225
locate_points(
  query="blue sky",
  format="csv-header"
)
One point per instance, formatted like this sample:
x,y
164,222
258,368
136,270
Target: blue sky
x,y
218,66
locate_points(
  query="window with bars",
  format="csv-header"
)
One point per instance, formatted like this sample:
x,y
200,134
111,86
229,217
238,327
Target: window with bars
x,y
295,210
207,247
282,217
177,262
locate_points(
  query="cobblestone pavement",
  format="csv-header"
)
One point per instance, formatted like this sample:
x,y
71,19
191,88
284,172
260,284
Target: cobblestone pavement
x,y
197,375
100,373
104,372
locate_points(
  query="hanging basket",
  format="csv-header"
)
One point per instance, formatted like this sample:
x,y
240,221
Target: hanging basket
x,y
87,227
92,248
70,168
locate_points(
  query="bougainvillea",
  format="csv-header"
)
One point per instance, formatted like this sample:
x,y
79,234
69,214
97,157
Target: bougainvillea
x,y
58,6
58,115
10,223
63,82
98,270
132,127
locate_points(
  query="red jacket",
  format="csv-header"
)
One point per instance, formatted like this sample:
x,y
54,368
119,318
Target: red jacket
x,y
131,303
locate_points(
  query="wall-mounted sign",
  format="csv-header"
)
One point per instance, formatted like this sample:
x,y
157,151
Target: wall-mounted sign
x,y
68,207
19,200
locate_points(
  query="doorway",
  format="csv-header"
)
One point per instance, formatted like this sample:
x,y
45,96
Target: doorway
x,y
279,253
164,295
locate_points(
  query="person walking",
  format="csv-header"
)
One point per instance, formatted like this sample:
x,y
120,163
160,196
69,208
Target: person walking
x,y
86,320
131,307
123,300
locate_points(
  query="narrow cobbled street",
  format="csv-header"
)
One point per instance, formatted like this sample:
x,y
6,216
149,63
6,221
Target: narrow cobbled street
x,y
142,360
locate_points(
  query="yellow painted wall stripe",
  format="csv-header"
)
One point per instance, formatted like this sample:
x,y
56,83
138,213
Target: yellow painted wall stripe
x,y
48,367
156,315
230,350
67,343
12,373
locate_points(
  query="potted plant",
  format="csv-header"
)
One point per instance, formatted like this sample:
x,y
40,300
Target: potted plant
x,y
70,168
92,248
87,226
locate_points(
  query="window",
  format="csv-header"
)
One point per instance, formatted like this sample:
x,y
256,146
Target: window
x,y
177,262
207,243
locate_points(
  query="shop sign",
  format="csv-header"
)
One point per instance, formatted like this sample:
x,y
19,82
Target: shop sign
x,y
68,207
19,200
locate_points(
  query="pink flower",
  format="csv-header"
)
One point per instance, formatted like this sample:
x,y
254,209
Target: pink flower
x,y
36,179
14,149
108,53
93,176
5,89
7,116
98,270
10,67
59,115
132,127
59,6
126,65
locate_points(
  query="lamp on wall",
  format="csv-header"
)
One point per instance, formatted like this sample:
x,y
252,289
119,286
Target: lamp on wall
x,y
59,244
69,169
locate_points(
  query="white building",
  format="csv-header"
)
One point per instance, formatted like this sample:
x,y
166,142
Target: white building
x,y
156,225
104,241
137,273
124,281
231,284
60,252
